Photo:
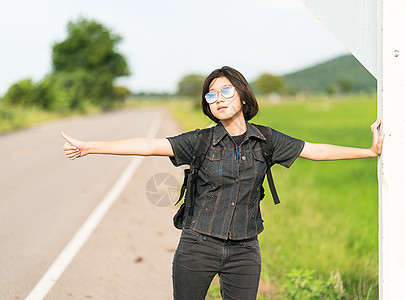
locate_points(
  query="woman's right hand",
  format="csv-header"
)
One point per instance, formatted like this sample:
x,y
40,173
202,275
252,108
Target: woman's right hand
x,y
74,148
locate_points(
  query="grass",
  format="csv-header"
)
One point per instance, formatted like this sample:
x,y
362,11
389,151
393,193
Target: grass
x,y
13,118
327,220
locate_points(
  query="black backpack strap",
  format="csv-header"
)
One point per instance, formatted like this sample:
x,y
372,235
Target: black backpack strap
x,y
203,143
272,187
268,150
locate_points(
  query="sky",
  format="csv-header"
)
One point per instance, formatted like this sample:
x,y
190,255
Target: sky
x,y
165,40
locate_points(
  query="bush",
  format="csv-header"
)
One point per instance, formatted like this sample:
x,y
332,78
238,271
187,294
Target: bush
x,y
303,285
75,90
121,93
6,114
23,93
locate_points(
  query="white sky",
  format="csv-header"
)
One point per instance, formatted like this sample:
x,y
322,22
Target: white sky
x,y
164,40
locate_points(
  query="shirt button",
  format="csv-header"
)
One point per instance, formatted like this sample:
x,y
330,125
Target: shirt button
x,y
233,203
243,157
236,180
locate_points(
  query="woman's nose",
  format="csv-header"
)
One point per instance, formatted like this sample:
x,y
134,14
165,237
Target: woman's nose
x,y
220,98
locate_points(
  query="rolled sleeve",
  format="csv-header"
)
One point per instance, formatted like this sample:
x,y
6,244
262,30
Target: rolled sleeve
x,y
286,148
183,148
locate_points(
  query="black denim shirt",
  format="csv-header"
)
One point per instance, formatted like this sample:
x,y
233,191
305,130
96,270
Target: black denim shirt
x,y
227,204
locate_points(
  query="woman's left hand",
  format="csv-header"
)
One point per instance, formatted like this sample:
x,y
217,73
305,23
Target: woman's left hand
x,y
378,138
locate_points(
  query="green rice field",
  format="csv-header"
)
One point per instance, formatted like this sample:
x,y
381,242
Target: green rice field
x,y
327,222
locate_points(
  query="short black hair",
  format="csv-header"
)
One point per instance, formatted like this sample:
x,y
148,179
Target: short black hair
x,y
250,108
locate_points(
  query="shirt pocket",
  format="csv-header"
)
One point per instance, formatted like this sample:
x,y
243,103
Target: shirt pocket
x,y
214,160
259,162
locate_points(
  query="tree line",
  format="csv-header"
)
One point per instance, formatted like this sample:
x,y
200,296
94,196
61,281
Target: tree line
x,y
341,76
86,64
191,85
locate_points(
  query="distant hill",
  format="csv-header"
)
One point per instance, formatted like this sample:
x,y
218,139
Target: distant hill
x,y
333,76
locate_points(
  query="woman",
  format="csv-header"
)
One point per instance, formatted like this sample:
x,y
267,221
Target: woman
x,y
222,238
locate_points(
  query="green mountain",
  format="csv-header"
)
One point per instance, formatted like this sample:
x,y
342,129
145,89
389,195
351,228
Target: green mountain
x,y
342,74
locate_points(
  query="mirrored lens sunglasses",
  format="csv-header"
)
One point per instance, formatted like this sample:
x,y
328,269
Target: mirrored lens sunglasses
x,y
226,92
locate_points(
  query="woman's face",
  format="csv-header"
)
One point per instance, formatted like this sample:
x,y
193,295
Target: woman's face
x,y
225,109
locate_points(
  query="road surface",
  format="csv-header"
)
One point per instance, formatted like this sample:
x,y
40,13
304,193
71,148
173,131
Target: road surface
x,y
45,198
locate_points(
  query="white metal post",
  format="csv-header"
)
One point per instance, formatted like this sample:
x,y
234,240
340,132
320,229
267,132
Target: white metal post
x,y
391,105
357,24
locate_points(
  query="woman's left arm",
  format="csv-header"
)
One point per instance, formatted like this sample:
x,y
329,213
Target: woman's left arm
x,y
331,152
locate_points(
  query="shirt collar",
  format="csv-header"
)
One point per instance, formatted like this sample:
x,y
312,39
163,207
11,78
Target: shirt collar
x,y
220,132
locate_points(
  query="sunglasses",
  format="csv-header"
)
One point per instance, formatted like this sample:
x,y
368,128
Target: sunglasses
x,y
227,92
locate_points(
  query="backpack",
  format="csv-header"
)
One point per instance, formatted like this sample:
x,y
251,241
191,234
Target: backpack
x,y
204,140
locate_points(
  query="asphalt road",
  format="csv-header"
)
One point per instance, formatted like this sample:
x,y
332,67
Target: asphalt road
x,y
45,198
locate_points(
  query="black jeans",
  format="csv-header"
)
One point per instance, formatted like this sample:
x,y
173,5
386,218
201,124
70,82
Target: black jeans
x,y
199,258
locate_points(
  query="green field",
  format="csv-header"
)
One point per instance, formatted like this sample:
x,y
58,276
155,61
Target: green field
x,y
327,221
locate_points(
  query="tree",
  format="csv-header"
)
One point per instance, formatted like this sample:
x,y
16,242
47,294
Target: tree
x,y
89,52
344,85
330,89
90,46
268,83
191,86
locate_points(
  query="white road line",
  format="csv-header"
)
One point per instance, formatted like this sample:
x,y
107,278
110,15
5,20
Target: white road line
x,y
57,268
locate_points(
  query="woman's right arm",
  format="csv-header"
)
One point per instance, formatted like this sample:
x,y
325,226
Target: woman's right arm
x,y
132,146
